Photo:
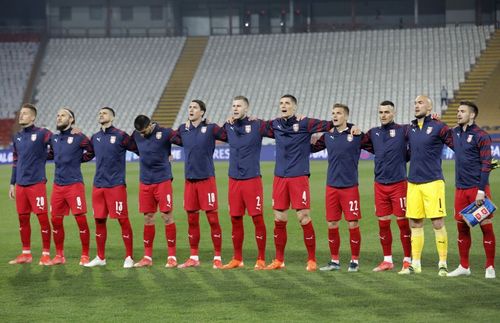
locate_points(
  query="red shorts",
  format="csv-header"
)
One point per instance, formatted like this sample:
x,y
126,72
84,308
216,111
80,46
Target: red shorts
x,y
245,194
154,196
200,195
66,198
464,197
390,199
338,200
110,201
294,190
31,198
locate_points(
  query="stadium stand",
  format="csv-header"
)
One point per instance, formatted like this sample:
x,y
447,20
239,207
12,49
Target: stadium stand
x,y
127,74
175,91
358,68
16,61
481,86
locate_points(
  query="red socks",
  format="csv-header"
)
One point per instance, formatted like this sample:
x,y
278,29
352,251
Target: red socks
x,y
215,230
171,235
464,243
489,243
101,234
310,240
58,232
385,236
280,237
405,236
334,242
83,227
43,219
260,235
238,234
127,236
25,231
194,232
149,237
355,240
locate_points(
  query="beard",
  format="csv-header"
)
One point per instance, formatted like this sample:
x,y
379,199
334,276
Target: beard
x,y
62,127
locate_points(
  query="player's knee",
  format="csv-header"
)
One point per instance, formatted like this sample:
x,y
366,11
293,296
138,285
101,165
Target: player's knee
x,y
213,218
333,224
100,221
258,219
304,219
438,223
416,223
149,218
353,224
56,219
124,222
303,216
193,219
168,218
237,220
385,218
280,216
486,221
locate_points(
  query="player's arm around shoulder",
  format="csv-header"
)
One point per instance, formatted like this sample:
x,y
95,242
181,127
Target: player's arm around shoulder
x,y
87,148
318,144
316,125
219,132
50,147
366,142
175,137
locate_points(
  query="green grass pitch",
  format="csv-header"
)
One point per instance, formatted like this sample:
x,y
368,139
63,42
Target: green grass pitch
x,y
111,293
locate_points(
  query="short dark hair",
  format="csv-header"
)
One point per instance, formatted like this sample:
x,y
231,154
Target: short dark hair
x,y
30,106
291,97
387,102
241,97
472,106
108,108
141,122
343,106
202,105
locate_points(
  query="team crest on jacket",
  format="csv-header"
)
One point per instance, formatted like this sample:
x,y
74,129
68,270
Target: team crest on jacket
x,y
33,137
248,128
203,129
112,139
295,127
469,139
429,130
392,132
350,137
70,140
158,135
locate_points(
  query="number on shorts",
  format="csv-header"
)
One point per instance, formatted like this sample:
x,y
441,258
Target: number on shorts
x,y
169,199
211,198
353,205
402,202
257,206
78,202
304,197
40,201
119,206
